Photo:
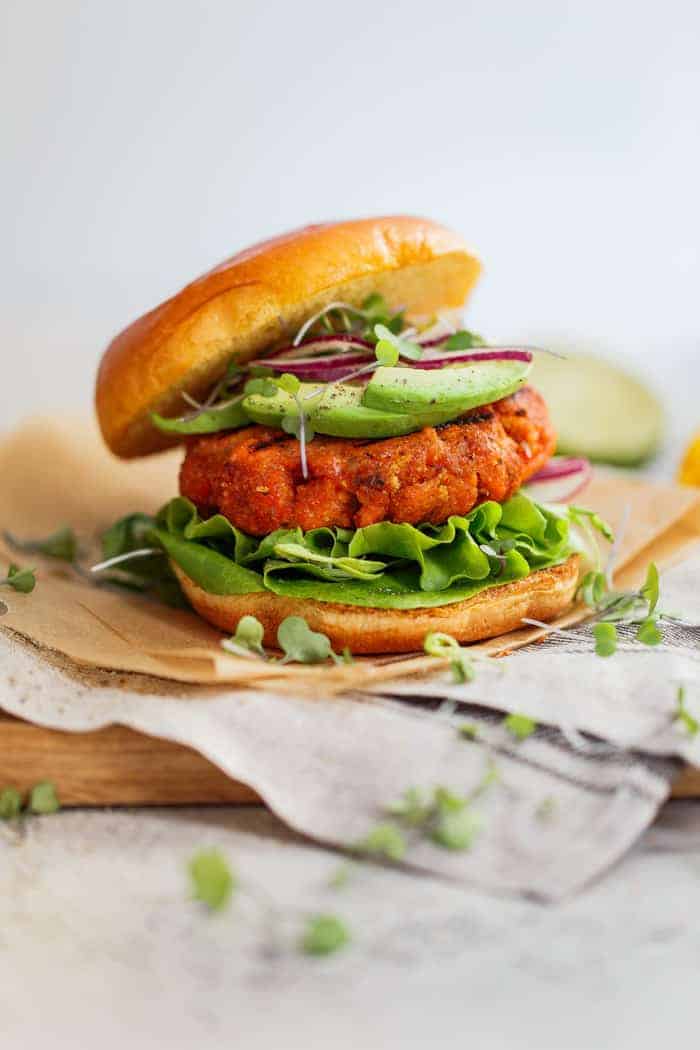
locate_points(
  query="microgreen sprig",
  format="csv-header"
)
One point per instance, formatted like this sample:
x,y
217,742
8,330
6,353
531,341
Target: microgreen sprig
x,y
519,726
373,311
41,801
22,580
683,716
61,544
297,423
214,883
295,638
444,646
629,607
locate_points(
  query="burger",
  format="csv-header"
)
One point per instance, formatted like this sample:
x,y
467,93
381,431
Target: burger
x,y
352,454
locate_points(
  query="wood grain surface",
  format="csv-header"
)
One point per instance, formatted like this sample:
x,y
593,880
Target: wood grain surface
x,y
111,767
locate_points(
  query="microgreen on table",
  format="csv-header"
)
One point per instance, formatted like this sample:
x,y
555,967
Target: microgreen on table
x,y
41,801
212,879
519,726
383,840
323,935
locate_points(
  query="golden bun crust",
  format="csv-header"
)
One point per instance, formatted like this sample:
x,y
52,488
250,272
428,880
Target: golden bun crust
x,y
541,596
261,296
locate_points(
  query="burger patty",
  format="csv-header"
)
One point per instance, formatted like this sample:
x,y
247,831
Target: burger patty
x,y
253,476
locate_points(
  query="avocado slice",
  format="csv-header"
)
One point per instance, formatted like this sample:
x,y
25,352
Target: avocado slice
x,y
338,411
599,410
454,389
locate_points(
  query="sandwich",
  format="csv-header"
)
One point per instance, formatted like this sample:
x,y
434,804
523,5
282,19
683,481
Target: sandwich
x,y
352,454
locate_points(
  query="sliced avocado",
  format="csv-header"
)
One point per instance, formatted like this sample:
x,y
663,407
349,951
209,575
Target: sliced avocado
x,y
229,417
338,411
452,390
599,410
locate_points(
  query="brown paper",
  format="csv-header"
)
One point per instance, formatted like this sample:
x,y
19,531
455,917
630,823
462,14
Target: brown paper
x,y
57,471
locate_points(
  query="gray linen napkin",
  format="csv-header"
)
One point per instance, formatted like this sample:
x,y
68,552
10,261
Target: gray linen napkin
x,y
556,818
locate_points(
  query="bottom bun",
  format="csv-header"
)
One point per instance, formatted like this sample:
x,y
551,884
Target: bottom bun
x,y
497,610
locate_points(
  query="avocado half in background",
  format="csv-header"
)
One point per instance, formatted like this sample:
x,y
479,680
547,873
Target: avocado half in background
x,y
599,410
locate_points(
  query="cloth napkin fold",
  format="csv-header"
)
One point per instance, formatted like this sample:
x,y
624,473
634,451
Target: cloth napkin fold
x,y
556,817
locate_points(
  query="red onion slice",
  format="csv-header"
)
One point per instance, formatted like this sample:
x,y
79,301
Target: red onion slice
x,y
562,467
453,357
342,343
560,480
318,369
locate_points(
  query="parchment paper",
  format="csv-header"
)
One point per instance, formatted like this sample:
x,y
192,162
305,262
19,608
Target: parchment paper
x,y
329,764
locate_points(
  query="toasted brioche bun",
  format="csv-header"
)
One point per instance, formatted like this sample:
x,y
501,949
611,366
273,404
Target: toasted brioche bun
x,y
261,297
540,596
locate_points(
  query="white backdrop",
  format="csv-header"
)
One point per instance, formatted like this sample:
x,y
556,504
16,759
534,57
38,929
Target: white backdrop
x,y
146,139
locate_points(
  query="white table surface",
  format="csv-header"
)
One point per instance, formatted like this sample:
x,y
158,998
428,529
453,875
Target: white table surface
x,y
99,945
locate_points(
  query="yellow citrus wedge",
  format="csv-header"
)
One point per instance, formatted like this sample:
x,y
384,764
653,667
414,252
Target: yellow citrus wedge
x,y
689,474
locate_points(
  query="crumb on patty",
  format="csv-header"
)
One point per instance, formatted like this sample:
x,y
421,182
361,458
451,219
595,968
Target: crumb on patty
x,y
253,475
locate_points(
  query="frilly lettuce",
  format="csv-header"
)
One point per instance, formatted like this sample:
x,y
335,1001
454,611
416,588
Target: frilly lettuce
x,y
382,566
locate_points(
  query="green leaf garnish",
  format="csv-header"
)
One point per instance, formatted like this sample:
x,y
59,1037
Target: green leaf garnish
x,y
61,544
519,726
248,637
213,881
149,574
683,715
650,590
386,353
581,516
464,340
300,644
10,803
593,588
457,829
296,425
43,798
289,383
648,632
605,635
444,646
445,818
384,840
404,347
324,934
469,730
414,807
22,580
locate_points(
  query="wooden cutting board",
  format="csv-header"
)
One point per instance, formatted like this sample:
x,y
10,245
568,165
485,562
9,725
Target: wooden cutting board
x,y
119,767
111,767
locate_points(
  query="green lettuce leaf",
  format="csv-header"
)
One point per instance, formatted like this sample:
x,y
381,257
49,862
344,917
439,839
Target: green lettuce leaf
x,y
381,566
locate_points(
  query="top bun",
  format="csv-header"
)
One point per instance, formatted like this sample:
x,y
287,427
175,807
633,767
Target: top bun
x,y
261,297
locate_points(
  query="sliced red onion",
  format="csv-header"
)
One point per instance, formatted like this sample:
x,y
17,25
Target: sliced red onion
x,y
318,369
323,344
560,480
561,467
452,357
428,344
